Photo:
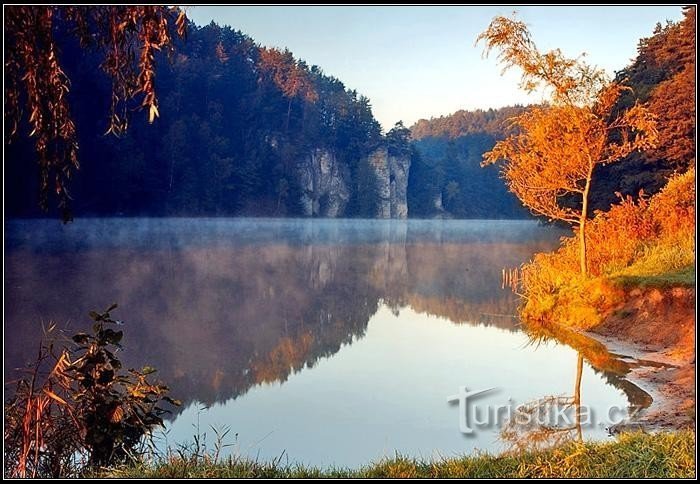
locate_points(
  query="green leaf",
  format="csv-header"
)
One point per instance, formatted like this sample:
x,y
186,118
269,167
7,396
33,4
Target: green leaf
x,y
147,370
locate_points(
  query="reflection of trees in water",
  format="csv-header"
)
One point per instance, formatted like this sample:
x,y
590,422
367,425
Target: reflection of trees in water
x,y
546,422
521,433
611,366
229,317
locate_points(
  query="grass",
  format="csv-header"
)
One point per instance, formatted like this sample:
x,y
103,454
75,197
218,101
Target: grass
x,y
663,265
632,455
683,278
643,242
556,293
667,263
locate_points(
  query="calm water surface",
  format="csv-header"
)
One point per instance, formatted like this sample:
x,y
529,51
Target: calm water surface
x,y
320,341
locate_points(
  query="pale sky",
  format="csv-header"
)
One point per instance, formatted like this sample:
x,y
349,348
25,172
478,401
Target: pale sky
x,y
417,62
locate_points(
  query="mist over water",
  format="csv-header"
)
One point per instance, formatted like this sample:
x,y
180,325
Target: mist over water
x,y
333,341
89,233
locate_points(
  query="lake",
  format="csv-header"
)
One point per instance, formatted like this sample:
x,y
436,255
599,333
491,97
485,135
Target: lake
x,y
324,342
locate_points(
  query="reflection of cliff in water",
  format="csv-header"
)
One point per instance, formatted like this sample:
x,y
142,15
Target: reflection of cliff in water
x,y
220,313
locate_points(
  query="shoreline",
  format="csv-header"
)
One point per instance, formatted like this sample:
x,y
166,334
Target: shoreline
x,y
656,327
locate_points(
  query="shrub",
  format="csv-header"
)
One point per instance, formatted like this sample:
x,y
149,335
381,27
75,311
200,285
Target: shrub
x,y
78,409
673,208
616,237
634,238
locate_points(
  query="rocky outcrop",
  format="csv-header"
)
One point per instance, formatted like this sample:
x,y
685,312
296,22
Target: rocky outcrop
x,y
392,183
324,183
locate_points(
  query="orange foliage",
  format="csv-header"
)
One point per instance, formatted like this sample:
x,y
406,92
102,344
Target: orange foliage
x,y
667,61
557,146
290,355
287,74
571,81
615,236
555,290
673,208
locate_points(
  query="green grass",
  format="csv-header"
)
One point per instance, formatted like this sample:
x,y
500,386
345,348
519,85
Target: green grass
x,y
629,455
684,277
666,263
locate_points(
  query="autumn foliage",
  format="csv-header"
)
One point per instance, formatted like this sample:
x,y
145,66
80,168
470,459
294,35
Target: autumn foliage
x,y
556,147
77,409
643,237
663,76
289,75
129,37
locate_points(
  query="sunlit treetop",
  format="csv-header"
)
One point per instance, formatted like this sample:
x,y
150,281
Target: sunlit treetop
x,y
555,147
571,81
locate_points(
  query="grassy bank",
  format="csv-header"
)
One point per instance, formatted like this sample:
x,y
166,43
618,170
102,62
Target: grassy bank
x,y
647,243
680,278
629,455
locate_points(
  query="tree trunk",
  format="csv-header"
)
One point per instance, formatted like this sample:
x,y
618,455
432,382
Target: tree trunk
x,y
582,223
289,112
577,396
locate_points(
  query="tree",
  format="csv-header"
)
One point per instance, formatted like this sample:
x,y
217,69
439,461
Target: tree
x,y
398,140
556,147
289,75
220,145
547,422
35,78
664,76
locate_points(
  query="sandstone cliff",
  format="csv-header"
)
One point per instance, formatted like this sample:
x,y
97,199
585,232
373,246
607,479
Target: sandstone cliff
x,y
392,179
326,185
324,182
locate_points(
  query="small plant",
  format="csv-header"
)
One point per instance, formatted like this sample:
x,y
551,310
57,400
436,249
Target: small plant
x,y
78,409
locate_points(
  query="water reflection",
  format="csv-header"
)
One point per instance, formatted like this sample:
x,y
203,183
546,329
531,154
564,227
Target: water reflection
x,y
220,306
553,420
248,319
611,366
549,421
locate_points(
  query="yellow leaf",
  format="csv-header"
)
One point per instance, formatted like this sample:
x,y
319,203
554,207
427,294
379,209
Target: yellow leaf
x,y
117,415
55,397
152,113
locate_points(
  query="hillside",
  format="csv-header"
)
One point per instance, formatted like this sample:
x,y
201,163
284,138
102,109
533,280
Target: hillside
x,y
246,130
243,130
447,179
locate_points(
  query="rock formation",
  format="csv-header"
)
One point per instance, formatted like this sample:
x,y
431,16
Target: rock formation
x,y
324,182
392,179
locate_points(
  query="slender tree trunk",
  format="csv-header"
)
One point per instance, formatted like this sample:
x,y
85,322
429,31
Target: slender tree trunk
x,y
289,112
577,396
582,222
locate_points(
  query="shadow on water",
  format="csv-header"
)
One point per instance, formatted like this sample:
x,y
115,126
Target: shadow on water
x,y
612,366
547,422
